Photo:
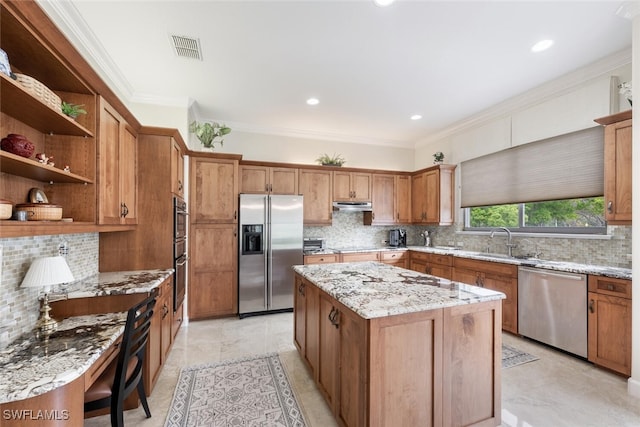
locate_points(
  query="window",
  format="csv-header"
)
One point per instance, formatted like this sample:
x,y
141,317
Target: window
x,y
584,215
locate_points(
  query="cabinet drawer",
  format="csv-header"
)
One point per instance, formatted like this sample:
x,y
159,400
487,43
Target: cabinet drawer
x,y
419,256
321,259
486,267
393,255
440,259
360,256
610,286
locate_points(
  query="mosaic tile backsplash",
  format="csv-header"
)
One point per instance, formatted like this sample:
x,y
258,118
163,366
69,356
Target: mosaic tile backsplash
x,y
19,308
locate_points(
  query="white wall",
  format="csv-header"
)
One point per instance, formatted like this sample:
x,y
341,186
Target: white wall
x,y
162,116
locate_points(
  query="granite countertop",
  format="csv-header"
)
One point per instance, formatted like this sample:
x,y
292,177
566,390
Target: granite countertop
x,y
32,365
113,283
570,267
372,289
368,249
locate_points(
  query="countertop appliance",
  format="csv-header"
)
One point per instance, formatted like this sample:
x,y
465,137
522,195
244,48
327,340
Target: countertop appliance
x,y
552,308
398,238
270,243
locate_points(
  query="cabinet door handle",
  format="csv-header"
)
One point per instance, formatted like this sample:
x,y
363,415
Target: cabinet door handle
x,y
333,317
301,289
235,214
180,185
373,215
592,308
124,210
610,206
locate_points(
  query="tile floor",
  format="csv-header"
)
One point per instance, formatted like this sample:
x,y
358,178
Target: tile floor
x,y
556,390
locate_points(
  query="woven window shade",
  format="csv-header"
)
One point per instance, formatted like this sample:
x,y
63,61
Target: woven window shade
x,y
563,167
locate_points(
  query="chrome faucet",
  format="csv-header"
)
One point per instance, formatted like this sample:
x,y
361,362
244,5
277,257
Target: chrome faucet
x,y
509,245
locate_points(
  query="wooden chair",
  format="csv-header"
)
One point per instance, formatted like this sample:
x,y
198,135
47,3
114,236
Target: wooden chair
x,y
121,378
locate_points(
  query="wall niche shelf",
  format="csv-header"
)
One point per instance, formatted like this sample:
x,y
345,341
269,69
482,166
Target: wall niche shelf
x,y
27,168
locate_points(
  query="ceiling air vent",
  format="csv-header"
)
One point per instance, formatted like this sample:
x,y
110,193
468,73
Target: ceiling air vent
x,y
186,47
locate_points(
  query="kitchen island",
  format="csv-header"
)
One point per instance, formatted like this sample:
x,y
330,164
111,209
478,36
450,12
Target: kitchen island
x,y
389,346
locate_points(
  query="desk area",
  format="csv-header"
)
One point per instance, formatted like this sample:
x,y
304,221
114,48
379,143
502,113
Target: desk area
x,y
43,379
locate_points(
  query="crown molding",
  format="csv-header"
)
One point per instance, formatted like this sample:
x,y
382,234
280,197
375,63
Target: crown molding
x,y
629,9
167,101
67,18
544,92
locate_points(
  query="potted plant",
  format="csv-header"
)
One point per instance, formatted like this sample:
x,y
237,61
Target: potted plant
x,y
626,91
208,132
438,157
72,110
326,160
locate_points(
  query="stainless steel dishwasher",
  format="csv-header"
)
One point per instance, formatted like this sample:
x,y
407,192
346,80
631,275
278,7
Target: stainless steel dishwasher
x,y
552,308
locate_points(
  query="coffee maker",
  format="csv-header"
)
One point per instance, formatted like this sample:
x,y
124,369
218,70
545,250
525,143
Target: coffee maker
x,y
398,238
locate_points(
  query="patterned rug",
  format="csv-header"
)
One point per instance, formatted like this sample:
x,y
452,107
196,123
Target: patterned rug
x,y
513,357
252,391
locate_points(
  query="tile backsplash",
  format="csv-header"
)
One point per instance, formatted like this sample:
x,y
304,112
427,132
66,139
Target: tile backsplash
x,y
19,309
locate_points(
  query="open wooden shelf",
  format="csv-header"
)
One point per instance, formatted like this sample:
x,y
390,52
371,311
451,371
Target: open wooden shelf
x,y
9,228
27,168
19,103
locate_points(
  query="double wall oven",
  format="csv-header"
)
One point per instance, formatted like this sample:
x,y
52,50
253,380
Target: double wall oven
x,y
179,251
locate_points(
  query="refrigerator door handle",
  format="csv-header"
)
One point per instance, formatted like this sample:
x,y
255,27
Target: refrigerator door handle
x,y
268,254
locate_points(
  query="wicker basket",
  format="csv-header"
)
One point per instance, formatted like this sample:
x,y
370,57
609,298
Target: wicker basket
x,y
41,211
40,91
6,207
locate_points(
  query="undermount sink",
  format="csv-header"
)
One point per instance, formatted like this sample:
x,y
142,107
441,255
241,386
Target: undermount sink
x,y
505,256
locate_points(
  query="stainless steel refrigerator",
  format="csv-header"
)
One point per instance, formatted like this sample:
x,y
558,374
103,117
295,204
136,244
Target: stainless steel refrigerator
x,y
270,242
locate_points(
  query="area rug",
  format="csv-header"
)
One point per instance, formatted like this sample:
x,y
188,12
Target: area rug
x,y
252,391
512,356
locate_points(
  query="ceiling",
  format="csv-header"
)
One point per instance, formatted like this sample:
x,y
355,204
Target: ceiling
x,y
370,67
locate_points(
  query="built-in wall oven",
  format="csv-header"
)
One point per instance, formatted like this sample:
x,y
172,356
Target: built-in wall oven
x,y
179,251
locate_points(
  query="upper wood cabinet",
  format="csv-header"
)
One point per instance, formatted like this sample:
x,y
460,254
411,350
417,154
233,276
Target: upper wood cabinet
x,y
177,169
432,195
213,190
268,180
351,186
617,167
117,168
390,199
315,185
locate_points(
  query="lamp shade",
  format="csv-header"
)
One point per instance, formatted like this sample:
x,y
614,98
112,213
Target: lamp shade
x,y
46,272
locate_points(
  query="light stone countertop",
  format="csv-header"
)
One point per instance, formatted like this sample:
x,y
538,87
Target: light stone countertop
x,y
113,283
32,365
372,289
570,267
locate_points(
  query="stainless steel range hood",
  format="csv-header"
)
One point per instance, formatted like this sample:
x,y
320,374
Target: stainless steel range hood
x,y
352,206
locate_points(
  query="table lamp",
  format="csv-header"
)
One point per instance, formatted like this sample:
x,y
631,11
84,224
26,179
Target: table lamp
x,y
43,274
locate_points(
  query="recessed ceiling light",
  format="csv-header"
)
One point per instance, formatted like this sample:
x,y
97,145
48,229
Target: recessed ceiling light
x,y
383,3
313,101
416,117
542,45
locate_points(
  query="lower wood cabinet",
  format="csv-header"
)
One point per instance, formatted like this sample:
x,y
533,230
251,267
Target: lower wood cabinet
x,y
496,276
375,372
434,264
609,311
321,258
213,276
360,256
395,258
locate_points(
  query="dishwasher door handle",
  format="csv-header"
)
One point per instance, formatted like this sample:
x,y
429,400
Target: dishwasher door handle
x,y
542,272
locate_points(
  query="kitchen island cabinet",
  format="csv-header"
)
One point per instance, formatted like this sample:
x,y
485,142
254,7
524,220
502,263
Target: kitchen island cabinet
x,y
609,343
448,372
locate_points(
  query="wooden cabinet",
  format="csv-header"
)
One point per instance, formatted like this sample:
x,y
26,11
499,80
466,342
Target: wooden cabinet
x,y
177,169
609,310
617,167
117,168
316,187
351,186
214,190
160,337
390,200
255,179
321,258
395,258
496,276
213,275
450,375
434,264
176,321
432,195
